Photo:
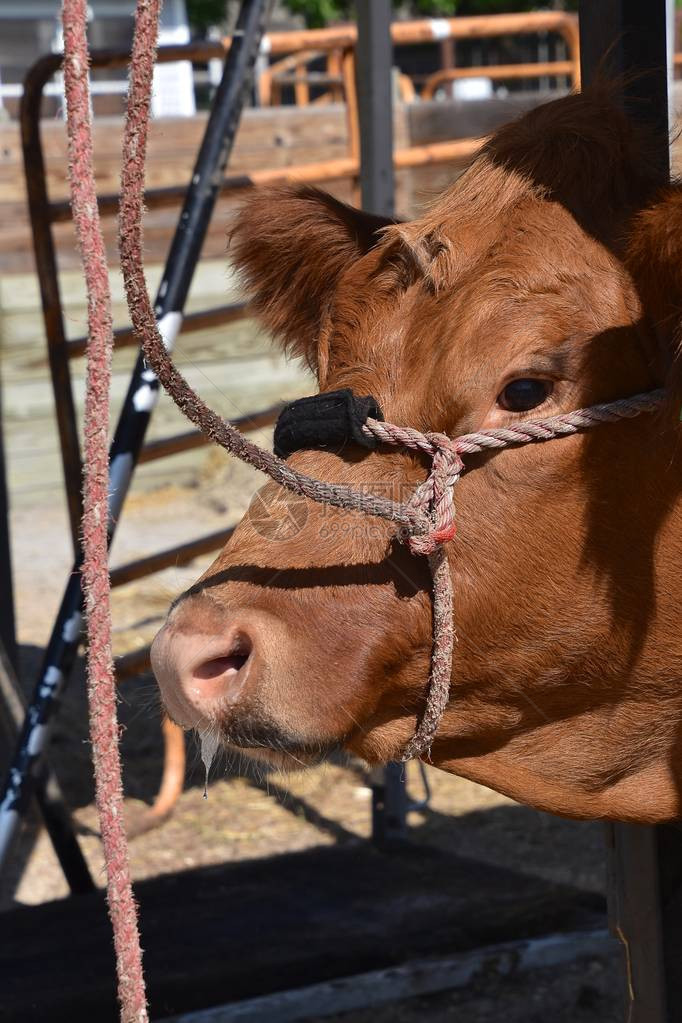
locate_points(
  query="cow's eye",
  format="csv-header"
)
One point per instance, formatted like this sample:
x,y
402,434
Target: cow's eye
x,y
524,394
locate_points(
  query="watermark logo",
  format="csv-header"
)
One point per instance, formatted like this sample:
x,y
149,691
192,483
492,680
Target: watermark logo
x,y
278,515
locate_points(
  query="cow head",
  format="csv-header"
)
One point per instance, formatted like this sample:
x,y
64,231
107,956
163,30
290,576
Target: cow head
x,y
547,278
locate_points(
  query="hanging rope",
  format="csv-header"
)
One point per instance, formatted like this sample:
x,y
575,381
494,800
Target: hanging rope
x,y
101,683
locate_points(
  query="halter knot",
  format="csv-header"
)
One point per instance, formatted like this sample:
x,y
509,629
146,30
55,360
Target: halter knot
x,y
435,495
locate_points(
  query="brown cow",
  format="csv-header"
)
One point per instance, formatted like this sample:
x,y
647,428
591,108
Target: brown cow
x,y
549,277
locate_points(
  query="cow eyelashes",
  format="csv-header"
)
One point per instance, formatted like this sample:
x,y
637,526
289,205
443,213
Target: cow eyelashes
x,y
524,394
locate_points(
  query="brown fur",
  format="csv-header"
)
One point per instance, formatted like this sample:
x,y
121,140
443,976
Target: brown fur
x,y
550,257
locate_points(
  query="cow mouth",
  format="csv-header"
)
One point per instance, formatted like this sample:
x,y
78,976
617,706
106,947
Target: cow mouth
x,y
262,740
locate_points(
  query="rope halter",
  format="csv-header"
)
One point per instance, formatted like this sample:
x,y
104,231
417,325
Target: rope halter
x,y
337,418
426,520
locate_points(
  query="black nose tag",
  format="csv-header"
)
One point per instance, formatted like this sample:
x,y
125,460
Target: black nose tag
x,y
329,420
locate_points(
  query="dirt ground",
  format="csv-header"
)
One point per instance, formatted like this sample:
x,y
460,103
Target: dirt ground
x,y
245,816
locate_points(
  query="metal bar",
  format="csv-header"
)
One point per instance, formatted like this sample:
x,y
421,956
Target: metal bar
x,y
390,804
48,279
374,62
553,68
626,40
179,555
40,213
138,405
133,663
375,105
48,65
59,826
343,37
192,439
7,625
124,337
427,30
51,802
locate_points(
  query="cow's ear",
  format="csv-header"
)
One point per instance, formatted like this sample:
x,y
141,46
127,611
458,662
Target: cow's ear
x,y
654,258
291,246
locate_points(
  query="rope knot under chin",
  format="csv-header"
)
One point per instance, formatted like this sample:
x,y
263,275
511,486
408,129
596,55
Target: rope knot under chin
x,y
435,496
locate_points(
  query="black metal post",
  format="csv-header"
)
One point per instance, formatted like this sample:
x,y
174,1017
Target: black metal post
x,y
626,40
136,412
7,625
374,63
50,800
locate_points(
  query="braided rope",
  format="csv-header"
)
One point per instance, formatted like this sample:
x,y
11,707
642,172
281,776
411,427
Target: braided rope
x,y
95,570
427,519
561,425
144,322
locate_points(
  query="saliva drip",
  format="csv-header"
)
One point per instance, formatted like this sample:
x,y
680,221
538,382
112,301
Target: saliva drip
x,y
209,748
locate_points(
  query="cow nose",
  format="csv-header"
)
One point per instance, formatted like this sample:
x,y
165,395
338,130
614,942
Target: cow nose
x,y
200,674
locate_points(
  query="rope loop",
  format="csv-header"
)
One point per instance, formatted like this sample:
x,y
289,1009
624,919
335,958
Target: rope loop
x,y
435,496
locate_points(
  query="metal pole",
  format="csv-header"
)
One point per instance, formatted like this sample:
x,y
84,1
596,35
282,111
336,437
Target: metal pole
x,y
374,64
626,40
7,625
50,800
138,405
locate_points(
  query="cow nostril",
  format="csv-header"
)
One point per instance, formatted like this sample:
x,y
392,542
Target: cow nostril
x,y
226,664
220,666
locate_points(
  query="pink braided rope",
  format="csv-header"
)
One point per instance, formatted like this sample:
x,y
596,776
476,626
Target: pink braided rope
x,y
561,425
549,428
101,686
427,520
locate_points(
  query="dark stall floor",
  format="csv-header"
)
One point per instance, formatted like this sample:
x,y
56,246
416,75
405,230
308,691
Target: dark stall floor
x,y
220,934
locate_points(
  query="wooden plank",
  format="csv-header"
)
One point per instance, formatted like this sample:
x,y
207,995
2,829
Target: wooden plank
x,y
269,137
635,919
421,977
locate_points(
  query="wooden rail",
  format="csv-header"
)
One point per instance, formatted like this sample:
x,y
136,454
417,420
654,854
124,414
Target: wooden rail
x,y
540,69
338,169
430,30
303,47
338,43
